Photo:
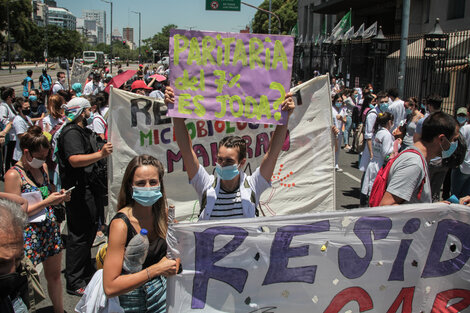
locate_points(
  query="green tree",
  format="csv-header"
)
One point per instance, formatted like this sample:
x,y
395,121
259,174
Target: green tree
x,y
160,41
21,25
285,9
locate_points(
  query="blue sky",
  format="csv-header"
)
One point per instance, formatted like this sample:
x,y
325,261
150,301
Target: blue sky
x,y
158,13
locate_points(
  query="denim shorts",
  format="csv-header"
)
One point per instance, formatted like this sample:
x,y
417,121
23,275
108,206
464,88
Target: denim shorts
x,y
150,297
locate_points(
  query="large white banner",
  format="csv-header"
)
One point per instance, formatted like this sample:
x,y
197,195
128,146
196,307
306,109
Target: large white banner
x,y
410,258
304,177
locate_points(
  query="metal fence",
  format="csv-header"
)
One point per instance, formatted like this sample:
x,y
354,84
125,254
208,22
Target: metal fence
x,y
433,65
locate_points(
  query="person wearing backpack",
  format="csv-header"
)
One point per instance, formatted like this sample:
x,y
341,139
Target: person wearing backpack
x,y
382,146
231,193
100,124
367,155
45,82
406,177
77,158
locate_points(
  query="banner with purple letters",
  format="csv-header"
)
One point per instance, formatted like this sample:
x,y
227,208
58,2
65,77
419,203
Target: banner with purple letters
x,y
230,76
407,258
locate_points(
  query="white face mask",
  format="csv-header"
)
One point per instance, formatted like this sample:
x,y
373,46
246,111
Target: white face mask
x,y
36,163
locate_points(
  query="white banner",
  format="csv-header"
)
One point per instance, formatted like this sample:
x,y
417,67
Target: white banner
x,y
410,258
304,177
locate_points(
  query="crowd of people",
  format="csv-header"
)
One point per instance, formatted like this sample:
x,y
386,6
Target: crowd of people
x,y
383,127
55,152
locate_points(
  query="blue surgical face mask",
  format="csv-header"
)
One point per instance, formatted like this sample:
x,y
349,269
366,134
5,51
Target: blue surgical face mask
x,y
227,172
90,119
383,107
146,196
461,119
371,106
408,111
447,153
338,104
33,98
371,90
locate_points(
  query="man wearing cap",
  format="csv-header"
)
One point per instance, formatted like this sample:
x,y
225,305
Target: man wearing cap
x,y
462,116
140,87
76,156
94,86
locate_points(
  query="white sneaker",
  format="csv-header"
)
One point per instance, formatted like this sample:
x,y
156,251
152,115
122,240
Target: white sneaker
x,y
339,170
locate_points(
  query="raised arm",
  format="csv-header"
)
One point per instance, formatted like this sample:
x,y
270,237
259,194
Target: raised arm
x,y
183,140
277,140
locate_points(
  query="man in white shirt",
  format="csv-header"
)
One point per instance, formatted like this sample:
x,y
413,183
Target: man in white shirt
x,y
94,86
396,107
60,83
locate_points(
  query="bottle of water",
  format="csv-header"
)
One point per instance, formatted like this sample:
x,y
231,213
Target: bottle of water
x,y
136,252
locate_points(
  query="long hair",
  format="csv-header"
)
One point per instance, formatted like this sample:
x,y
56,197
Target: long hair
x,y
54,105
159,209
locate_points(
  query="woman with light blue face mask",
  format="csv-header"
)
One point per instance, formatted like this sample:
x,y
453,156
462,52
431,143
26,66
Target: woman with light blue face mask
x,y
141,205
230,193
38,109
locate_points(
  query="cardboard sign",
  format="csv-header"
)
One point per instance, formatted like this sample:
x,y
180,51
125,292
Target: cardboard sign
x,y
230,76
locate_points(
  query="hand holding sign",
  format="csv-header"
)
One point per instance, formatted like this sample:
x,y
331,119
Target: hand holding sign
x,y
229,76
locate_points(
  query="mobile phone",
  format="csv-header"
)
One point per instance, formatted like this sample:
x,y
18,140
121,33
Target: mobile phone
x,y
70,189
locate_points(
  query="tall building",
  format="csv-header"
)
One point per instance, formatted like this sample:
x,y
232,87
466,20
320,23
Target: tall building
x,y
116,35
62,18
91,30
39,13
128,34
50,3
100,17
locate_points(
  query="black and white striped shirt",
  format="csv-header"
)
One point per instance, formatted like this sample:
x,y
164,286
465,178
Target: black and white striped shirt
x,y
227,205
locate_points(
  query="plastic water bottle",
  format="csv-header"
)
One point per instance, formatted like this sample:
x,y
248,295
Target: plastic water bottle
x,y
136,252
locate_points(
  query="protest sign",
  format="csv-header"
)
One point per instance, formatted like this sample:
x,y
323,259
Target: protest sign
x,y
304,176
408,258
230,76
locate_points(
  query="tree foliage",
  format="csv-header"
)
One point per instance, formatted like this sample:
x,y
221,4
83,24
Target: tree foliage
x,y
63,43
21,25
285,9
160,41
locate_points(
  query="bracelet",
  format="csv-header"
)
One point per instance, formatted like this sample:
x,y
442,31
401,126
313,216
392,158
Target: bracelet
x,y
148,274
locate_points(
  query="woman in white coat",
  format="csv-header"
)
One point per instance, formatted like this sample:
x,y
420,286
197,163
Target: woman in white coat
x,y
382,146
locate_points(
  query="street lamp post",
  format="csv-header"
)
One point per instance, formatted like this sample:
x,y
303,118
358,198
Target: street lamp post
x,y
110,36
8,37
140,28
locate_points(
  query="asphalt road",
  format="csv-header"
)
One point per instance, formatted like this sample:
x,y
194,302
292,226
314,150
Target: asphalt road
x,y
347,182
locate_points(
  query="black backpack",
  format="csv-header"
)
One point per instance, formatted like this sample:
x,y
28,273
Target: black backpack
x,y
96,173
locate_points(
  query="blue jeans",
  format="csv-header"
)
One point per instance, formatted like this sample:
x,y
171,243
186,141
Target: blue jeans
x,y
347,129
150,297
460,183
